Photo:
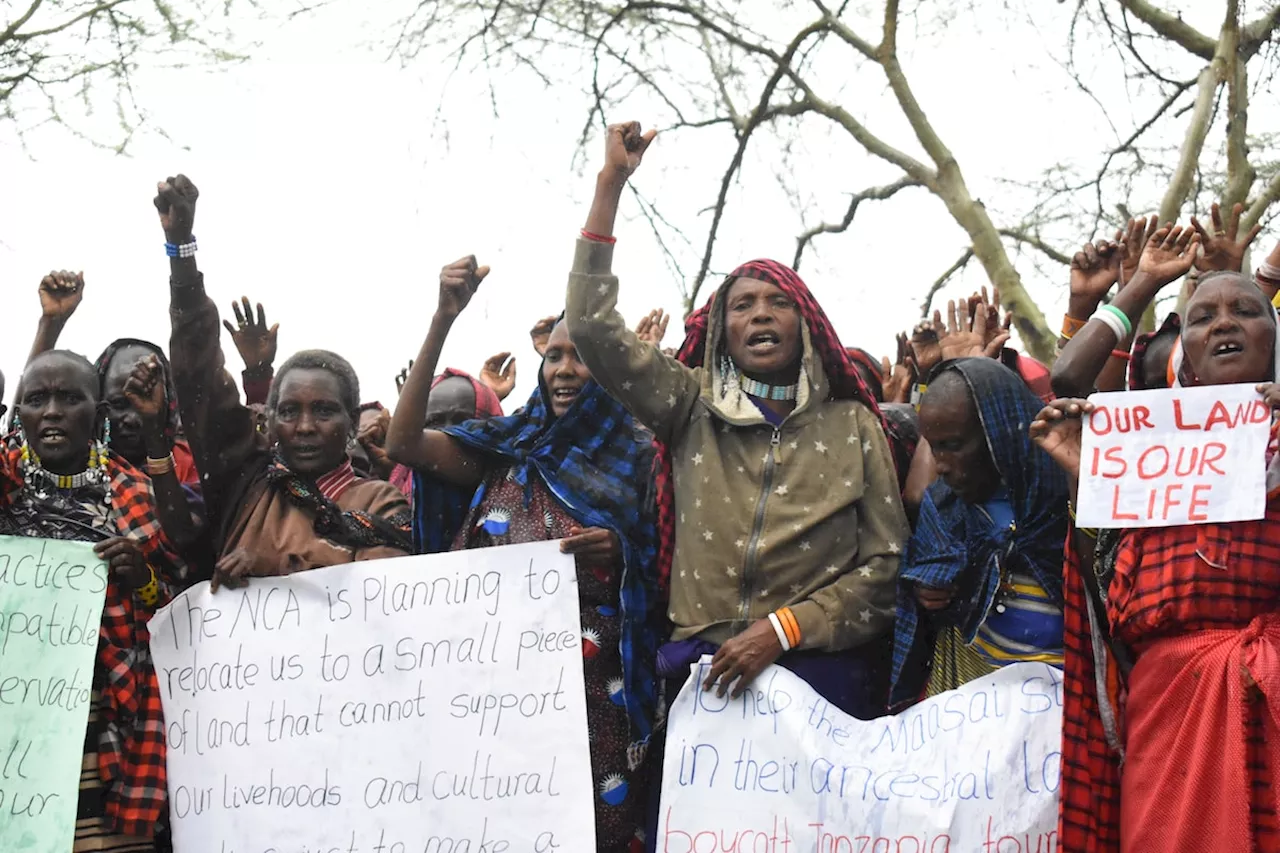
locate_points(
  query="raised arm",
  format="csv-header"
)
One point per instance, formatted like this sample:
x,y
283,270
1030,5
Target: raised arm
x,y
409,442
1167,257
220,430
60,295
657,389
1094,269
145,390
256,343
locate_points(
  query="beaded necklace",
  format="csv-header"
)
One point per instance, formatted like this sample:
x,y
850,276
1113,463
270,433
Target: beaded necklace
x,y
765,391
38,479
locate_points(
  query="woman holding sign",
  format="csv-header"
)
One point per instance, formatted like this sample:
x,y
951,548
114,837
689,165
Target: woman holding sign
x,y
62,482
571,465
1194,608
986,555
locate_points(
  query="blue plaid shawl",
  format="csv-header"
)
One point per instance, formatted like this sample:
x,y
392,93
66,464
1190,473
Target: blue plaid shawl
x,y
953,543
597,462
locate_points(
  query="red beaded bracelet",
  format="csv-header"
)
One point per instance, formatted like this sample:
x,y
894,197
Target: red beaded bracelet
x,y
1119,353
598,238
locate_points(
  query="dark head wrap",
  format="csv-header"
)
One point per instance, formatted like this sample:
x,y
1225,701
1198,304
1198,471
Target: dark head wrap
x,y
595,460
954,544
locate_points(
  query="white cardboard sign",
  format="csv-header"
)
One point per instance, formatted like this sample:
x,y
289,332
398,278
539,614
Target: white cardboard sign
x,y
429,704
781,771
1174,456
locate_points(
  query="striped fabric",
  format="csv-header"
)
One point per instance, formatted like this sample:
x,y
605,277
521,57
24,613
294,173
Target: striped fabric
x,y
337,481
1030,613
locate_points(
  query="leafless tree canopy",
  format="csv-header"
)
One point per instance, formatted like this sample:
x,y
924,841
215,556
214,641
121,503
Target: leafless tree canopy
x,y
758,70
60,60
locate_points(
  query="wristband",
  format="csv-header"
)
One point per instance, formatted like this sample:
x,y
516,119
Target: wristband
x,y
1110,320
1119,353
594,238
782,635
1119,315
157,467
185,250
150,594
1071,325
789,625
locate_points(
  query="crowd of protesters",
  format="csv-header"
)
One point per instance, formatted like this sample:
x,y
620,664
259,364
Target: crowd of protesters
x,y
885,529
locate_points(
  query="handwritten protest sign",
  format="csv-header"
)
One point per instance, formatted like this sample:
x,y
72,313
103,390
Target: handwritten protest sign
x,y
779,770
1177,456
51,596
427,704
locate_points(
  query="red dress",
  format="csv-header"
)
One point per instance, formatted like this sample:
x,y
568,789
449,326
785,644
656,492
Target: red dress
x,y
1197,605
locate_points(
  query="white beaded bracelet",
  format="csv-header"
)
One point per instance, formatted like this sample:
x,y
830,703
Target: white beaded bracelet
x,y
777,629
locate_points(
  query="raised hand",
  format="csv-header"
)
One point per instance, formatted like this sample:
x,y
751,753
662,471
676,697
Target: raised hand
x,y
255,342
924,343
541,333
499,373
1169,254
966,334
459,281
992,305
146,392
176,202
1057,429
652,327
403,377
624,148
897,378
1093,270
1221,250
60,294
1132,239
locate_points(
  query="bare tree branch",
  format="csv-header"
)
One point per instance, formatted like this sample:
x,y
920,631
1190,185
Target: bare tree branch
x,y
871,194
1172,27
941,281
1035,242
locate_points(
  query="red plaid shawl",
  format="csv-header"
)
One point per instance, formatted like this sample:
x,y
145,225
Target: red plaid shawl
x,y
843,379
131,749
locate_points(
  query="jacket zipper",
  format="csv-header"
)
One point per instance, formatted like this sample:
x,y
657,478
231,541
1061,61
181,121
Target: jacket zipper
x,y
757,528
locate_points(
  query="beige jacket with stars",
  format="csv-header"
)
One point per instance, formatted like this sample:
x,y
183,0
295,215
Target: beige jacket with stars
x,y
807,516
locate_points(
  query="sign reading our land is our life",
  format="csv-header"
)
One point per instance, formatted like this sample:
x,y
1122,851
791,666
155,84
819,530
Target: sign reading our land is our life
x,y
428,704
51,598
1176,456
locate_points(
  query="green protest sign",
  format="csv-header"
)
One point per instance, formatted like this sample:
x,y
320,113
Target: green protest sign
x,y
51,597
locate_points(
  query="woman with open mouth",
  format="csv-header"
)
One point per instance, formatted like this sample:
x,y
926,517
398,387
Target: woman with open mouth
x,y
778,498
571,465
287,500
1172,740
62,482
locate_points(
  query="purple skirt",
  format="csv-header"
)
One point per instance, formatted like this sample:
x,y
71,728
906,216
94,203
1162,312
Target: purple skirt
x,y
854,680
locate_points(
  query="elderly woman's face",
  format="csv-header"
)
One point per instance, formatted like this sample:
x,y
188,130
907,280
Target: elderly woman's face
x,y
1229,332
949,422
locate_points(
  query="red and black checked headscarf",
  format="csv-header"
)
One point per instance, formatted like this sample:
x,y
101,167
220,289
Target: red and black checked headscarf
x,y
843,380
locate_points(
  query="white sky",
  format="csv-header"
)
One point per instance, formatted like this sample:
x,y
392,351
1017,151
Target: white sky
x,y
331,193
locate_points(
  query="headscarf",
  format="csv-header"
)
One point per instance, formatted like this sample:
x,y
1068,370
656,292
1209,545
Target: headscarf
x,y
438,511
871,370
595,460
103,364
843,378
954,543
1182,376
